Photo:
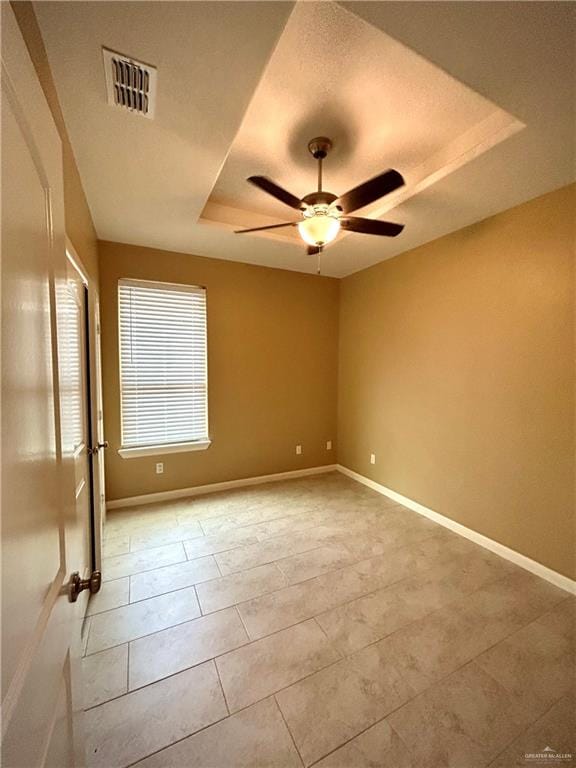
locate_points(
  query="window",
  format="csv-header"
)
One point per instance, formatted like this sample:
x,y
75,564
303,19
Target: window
x,y
163,369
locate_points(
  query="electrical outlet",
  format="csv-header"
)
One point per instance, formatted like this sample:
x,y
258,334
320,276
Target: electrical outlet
x,y
160,468
372,458
329,445
298,449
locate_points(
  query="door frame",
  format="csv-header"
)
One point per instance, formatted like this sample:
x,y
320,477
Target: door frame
x,y
94,395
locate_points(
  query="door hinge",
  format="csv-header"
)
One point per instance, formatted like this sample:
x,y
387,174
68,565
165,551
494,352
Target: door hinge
x,y
77,585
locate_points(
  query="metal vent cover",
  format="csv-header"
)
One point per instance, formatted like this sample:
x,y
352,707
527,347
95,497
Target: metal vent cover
x,y
130,84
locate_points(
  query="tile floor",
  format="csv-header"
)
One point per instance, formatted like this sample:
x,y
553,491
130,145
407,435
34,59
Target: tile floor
x,y
315,622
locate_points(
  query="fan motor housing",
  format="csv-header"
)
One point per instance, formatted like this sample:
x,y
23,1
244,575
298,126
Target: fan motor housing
x,y
319,198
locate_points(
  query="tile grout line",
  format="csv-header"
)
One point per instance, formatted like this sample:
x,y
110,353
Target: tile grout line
x,y
197,603
243,624
214,659
178,741
273,562
246,526
288,729
327,666
524,729
352,600
300,621
437,682
240,527
221,686
329,641
314,618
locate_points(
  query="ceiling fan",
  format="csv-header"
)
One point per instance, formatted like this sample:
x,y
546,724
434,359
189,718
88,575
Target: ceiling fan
x,y
323,213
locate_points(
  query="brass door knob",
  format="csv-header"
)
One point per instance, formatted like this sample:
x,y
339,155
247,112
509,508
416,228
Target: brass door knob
x,y
77,585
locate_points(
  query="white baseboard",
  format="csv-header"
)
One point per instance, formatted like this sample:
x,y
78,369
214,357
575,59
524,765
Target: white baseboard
x,y
509,554
180,493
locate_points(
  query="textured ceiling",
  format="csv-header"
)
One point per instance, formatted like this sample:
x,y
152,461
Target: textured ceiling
x,y
472,102
382,105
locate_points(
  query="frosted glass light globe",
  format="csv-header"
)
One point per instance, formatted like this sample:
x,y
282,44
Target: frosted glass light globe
x,y
319,229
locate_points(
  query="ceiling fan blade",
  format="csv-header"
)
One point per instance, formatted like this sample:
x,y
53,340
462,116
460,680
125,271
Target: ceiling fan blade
x,y
366,193
270,226
371,226
267,185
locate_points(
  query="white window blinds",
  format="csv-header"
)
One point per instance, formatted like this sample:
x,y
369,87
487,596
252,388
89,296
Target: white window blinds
x,y
163,365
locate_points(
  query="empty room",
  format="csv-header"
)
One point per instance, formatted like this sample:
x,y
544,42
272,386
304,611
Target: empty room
x,y
288,384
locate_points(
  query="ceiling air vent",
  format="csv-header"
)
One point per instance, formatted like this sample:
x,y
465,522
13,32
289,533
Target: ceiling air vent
x,y
130,84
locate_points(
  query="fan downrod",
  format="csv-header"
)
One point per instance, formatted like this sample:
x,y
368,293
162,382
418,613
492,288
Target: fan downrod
x,y
319,147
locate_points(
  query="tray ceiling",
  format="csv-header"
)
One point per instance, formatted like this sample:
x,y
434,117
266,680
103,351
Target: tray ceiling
x,y
474,125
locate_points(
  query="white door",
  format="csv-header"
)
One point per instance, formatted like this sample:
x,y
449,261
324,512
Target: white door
x,y
73,354
43,537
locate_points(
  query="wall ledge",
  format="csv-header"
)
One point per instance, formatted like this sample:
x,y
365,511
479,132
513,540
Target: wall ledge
x,y
199,490
558,579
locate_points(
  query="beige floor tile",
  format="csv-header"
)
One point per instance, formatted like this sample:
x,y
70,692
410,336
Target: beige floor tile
x,y
238,587
309,564
288,606
296,603
172,577
562,618
185,645
327,709
136,562
256,737
432,647
117,545
261,668
121,523
378,747
138,619
374,616
266,513
127,729
381,542
147,540
463,722
554,730
215,526
112,594
535,665
267,551
210,545
410,609
105,675
287,525
86,623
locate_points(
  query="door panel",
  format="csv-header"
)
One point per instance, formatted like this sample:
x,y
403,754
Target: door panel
x,y
42,535
73,355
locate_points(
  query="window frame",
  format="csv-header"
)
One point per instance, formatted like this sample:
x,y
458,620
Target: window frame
x,y
163,448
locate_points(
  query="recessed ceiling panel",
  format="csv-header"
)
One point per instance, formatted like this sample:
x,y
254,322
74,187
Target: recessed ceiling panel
x,y
381,103
436,90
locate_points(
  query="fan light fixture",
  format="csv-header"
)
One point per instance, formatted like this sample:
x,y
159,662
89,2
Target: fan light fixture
x,y
319,226
325,214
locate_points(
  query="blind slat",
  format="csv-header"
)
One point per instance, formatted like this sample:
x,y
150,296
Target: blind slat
x,y
163,365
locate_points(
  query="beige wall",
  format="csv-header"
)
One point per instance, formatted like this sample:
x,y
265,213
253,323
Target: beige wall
x,y
457,371
272,369
79,226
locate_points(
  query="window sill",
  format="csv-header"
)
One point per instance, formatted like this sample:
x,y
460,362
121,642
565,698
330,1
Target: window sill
x,y
160,450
